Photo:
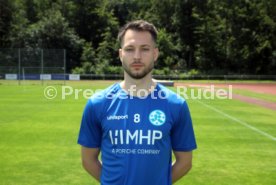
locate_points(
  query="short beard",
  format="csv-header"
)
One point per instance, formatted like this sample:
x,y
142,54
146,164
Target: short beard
x,y
138,76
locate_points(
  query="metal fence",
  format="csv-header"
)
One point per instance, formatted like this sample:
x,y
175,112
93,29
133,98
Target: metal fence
x,y
32,64
182,77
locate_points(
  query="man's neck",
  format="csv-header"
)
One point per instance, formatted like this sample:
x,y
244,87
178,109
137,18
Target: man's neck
x,y
138,87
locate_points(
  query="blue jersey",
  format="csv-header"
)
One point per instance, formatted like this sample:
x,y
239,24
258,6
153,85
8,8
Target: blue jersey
x,y
136,135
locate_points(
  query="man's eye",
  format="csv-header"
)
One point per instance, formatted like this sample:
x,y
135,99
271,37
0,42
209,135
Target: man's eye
x,y
129,49
145,49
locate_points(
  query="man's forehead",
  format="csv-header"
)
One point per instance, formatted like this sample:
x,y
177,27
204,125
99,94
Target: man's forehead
x,y
141,38
134,44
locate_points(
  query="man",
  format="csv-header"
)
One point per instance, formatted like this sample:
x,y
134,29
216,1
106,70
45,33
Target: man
x,y
137,123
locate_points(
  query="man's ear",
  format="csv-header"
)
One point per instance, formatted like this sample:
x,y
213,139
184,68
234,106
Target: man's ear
x,y
156,54
120,54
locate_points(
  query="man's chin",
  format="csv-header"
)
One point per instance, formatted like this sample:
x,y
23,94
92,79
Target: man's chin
x,y
138,76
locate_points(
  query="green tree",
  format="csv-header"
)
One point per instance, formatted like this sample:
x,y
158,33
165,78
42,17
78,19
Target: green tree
x,y
6,11
185,24
211,36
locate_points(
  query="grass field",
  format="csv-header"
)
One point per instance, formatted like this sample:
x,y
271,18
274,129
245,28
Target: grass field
x,y
38,139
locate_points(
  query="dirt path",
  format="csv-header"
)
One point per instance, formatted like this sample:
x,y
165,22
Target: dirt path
x,y
257,88
263,103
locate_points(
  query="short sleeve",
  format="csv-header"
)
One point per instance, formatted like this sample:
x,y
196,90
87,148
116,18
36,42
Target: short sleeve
x,y
90,129
182,135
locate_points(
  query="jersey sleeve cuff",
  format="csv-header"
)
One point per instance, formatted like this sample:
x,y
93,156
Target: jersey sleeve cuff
x,y
88,145
186,149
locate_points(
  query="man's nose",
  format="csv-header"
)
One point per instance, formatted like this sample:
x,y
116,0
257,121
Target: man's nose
x,y
137,54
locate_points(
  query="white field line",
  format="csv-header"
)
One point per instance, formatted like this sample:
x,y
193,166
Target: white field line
x,y
239,121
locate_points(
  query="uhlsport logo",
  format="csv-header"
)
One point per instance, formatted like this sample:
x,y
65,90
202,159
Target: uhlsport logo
x,y
114,117
157,117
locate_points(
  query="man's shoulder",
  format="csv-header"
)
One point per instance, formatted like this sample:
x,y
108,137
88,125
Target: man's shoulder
x,y
105,94
169,95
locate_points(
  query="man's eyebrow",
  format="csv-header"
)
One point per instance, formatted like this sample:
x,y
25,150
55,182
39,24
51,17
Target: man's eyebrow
x,y
143,45
127,46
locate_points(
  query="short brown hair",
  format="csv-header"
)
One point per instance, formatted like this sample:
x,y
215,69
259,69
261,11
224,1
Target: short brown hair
x,y
138,25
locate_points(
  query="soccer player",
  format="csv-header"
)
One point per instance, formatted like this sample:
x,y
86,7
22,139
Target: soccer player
x,y
137,124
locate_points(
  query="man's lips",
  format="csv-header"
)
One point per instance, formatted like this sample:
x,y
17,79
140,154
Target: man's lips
x,y
137,65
